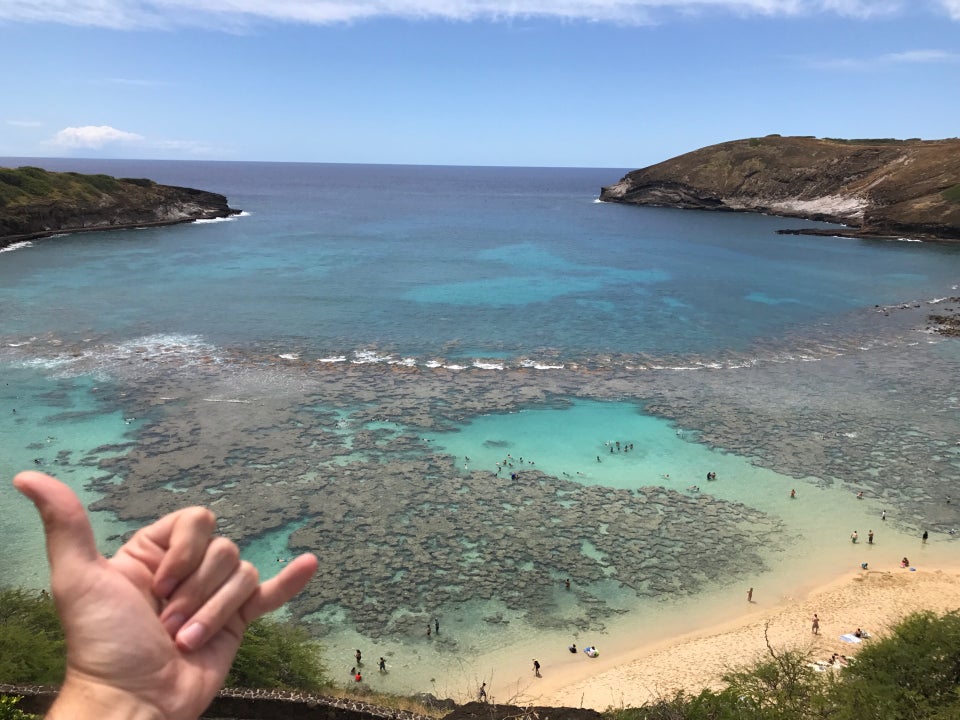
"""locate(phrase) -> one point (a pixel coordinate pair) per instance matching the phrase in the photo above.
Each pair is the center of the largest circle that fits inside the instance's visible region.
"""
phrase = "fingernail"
(174, 623)
(191, 636)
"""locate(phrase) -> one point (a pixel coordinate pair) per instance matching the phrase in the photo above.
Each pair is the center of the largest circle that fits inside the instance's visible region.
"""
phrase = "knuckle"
(203, 517)
(249, 572)
(225, 551)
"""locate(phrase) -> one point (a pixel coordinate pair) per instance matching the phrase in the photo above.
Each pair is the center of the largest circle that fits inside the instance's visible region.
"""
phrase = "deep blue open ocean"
(374, 352)
(449, 261)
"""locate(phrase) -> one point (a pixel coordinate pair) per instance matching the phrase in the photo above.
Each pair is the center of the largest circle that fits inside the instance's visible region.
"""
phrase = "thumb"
(70, 543)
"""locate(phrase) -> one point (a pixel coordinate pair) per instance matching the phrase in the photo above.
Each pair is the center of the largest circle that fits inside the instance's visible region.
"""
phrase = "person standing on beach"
(853, 536)
(383, 664)
(925, 536)
(870, 537)
(750, 595)
(816, 624)
(436, 625)
(483, 693)
(536, 668)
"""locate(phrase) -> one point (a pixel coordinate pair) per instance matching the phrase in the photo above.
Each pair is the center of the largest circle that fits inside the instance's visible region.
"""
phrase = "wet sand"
(872, 600)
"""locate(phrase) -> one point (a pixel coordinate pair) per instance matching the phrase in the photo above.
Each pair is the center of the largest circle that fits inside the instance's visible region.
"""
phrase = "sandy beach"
(872, 600)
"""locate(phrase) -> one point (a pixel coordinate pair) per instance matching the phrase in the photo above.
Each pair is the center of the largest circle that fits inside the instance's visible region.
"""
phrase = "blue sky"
(594, 83)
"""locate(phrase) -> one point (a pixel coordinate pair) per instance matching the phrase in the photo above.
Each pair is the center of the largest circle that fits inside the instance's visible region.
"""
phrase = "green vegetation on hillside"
(32, 649)
(10, 711)
(912, 674)
(27, 184)
(273, 654)
(277, 655)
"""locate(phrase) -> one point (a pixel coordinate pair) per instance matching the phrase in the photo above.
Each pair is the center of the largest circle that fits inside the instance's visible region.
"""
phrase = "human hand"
(151, 632)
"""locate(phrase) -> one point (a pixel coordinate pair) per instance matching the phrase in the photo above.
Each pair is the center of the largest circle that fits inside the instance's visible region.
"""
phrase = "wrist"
(83, 698)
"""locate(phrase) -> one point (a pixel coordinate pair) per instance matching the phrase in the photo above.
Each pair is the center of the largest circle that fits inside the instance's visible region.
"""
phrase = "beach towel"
(850, 638)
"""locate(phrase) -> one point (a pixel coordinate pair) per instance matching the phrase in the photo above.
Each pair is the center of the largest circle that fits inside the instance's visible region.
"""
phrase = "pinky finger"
(273, 593)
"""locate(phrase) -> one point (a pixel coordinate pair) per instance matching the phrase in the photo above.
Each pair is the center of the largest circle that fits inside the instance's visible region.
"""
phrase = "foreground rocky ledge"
(35, 203)
(879, 188)
(241, 704)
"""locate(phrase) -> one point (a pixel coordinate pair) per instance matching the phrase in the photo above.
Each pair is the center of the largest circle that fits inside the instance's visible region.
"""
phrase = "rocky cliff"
(35, 203)
(878, 188)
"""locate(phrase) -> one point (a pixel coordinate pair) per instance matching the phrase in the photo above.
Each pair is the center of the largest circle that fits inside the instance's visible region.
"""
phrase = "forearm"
(85, 699)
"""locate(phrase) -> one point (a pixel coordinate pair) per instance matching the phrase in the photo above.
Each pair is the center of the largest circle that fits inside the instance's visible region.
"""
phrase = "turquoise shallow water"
(580, 443)
(342, 368)
(60, 427)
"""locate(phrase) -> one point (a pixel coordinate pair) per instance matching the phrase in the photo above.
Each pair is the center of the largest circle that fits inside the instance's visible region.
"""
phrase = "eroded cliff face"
(878, 188)
(74, 206)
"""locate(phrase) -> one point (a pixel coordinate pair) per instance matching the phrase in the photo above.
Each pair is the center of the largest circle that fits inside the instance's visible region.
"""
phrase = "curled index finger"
(184, 537)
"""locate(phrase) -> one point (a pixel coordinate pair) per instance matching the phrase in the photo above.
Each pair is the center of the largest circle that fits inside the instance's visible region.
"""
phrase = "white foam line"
(16, 246)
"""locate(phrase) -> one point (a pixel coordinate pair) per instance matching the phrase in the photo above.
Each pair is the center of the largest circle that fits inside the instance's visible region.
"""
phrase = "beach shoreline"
(873, 599)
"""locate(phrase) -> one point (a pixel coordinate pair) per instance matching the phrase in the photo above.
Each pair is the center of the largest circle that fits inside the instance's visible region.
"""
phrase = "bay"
(357, 364)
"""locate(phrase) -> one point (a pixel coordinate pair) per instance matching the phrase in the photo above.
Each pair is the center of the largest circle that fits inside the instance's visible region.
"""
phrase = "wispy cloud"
(25, 123)
(908, 57)
(93, 136)
(193, 148)
(952, 7)
(99, 137)
(132, 82)
(236, 13)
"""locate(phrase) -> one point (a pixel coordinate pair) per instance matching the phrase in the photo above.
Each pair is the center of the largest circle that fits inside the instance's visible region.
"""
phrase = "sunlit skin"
(152, 631)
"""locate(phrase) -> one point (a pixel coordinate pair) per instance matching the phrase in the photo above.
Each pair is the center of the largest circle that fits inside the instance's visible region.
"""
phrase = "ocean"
(486, 401)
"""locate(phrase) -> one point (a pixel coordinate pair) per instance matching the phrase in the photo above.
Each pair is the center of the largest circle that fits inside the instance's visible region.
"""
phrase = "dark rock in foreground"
(880, 188)
(240, 704)
(489, 711)
(35, 203)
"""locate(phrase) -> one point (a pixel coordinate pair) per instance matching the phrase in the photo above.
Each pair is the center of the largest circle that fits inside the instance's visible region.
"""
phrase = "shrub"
(31, 640)
(9, 711)
(104, 183)
(277, 655)
(32, 649)
(914, 673)
(951, 194)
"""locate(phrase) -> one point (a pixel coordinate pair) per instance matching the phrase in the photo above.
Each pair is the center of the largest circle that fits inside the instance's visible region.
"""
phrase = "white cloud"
(952, 7)
(25, 123)
(921, 56)
(98, 137)
(236, 13)
(908, 57)
(93, 136)
(132, 82)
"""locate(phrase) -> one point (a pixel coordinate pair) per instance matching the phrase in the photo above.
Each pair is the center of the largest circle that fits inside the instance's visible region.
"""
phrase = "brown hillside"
(877, 187)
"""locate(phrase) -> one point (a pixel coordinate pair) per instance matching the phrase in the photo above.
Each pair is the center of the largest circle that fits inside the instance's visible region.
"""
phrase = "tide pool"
(568, 442)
